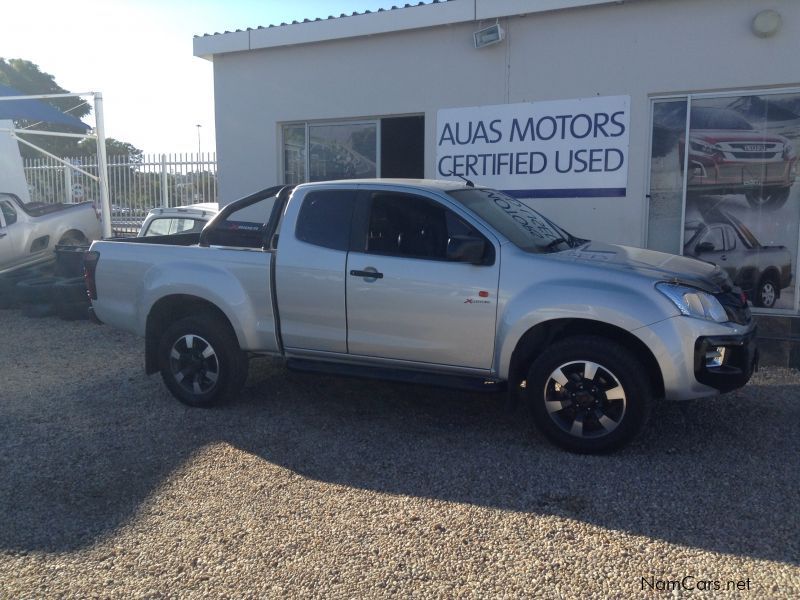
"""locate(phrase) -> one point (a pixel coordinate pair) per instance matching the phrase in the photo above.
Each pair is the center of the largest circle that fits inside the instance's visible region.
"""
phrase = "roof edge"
(419, 16)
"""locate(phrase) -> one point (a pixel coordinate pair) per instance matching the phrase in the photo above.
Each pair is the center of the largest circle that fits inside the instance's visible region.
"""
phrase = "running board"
(458, 382)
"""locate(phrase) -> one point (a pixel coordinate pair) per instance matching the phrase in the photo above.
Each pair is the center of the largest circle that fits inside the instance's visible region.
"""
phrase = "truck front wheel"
(588, 394)
(200, 360)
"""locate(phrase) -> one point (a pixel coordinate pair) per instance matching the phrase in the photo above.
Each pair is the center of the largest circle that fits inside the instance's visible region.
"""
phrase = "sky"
(138, 53)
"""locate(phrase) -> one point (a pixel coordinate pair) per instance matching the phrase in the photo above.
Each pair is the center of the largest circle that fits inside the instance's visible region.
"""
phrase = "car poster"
(738, 162)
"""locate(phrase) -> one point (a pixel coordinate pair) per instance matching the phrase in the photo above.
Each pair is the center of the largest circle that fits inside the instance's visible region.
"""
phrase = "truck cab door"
(410, 296)
(310, 271)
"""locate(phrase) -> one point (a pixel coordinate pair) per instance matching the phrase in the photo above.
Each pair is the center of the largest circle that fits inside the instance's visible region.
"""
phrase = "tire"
(204, 348)
(588, 394)
(767, 292)
(771, 198)
(71, 291)
(38, 311)
(9, 296)
(73, 311)
(38, 290)
(72, 303)
(8, 293)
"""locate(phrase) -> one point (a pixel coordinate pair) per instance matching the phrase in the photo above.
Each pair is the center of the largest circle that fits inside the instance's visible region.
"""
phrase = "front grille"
(756, 155)
(735, 306)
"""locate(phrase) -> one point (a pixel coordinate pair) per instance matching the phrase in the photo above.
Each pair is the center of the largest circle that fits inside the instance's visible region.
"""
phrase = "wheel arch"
(166, 311)
(73, 233)
(536, 340)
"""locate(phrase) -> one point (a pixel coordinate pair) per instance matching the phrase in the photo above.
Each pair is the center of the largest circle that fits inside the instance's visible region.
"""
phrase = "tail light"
(90, 260)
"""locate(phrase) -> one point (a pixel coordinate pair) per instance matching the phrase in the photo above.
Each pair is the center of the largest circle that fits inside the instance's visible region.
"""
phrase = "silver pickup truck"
(431, 282)
(29, 232)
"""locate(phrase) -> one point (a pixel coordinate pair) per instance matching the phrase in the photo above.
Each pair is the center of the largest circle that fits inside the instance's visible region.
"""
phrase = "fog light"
(716, 357)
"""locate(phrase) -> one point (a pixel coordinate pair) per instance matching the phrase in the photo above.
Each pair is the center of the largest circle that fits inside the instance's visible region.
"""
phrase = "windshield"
(522, 225)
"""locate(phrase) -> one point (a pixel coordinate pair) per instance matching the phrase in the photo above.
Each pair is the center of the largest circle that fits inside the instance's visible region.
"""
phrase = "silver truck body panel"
(422, 314)
(131, 278)
(31, 238)
(422, 310)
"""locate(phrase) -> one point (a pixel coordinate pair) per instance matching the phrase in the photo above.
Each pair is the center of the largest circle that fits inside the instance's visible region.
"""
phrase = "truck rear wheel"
(588, 394)
(200, 360)
(767, 292)
(771, 198)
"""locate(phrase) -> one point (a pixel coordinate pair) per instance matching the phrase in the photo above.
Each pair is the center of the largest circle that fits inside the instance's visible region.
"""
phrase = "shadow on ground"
(77, 461)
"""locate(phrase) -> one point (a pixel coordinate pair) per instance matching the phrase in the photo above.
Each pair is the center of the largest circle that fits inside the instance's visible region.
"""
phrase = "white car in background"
(178, 219)
(30, 231)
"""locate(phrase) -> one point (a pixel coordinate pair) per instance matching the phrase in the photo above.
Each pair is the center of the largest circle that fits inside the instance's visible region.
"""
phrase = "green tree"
(114, 148)
(26, 77)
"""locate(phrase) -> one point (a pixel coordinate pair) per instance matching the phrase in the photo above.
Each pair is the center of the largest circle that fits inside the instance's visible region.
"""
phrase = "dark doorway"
(403, 147)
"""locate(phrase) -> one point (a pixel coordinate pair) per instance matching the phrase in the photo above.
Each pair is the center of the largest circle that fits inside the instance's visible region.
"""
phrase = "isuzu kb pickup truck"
(430, 282)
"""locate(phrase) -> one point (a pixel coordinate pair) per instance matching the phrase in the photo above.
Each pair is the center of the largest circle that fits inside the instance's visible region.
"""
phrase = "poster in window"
(742, 199)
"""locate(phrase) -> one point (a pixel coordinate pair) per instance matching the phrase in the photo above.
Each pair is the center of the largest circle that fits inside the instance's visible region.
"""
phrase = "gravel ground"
(313, 486)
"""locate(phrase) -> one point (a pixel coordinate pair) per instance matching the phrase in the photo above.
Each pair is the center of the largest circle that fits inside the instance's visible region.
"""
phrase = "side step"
(458, 382)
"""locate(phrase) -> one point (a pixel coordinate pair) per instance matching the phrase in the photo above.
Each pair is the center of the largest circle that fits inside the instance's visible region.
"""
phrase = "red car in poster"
(728, 156)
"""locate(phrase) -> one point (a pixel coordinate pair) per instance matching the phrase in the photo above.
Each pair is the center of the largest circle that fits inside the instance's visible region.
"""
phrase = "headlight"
(699, 145)
(693, 303)
(788, 151)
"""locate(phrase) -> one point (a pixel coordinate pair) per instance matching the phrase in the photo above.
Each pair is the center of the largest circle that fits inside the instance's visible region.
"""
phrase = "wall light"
(767, 23)
(489, 35)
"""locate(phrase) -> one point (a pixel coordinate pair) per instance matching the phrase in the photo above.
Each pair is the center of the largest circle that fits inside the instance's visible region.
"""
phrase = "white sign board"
(553, 149)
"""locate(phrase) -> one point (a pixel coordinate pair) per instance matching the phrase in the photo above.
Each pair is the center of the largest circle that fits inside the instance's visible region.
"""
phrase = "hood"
(714, 136)
(652, 264)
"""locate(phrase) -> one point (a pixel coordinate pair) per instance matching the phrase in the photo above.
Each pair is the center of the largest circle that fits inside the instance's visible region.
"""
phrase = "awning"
(35, 110)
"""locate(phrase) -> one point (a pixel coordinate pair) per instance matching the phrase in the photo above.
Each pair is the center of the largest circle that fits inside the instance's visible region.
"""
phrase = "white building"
(679, 118)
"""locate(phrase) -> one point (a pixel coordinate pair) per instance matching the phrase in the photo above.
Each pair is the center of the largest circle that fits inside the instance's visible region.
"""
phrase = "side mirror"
(465, 248)
(704, 247)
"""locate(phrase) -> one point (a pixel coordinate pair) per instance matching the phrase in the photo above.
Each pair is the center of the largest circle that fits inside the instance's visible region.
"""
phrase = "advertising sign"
(553, 149)
(738, 163)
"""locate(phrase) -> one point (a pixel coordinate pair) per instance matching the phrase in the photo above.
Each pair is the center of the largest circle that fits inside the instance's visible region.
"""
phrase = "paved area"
(312, 486)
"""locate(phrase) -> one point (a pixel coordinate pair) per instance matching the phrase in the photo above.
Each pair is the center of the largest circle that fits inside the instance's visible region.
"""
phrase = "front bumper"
(740, 360)
(680, 344)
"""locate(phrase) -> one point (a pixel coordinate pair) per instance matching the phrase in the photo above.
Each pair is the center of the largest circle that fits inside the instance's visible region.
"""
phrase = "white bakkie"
(430, 282)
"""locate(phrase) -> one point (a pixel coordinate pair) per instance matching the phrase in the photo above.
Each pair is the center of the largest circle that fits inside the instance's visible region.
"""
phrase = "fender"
(221, 288)
(610, 302)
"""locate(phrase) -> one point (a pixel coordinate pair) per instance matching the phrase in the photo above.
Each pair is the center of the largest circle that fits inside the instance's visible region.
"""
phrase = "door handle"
(724, 257)
(366, 274)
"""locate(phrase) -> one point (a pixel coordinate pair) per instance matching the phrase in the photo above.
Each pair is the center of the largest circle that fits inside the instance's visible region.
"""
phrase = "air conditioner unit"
(489, 35)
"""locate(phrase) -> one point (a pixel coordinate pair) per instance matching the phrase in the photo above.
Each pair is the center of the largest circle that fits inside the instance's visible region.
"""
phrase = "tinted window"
(325, 218)
(403, 225)
(244, 228)
(9, 213)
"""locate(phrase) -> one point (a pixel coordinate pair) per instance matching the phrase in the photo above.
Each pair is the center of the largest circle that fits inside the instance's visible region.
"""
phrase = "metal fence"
(136, 185)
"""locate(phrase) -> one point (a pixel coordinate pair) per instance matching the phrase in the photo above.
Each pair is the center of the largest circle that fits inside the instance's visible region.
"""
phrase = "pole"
(198, 140)
(102, 165)
(67, 185)
(164, 182)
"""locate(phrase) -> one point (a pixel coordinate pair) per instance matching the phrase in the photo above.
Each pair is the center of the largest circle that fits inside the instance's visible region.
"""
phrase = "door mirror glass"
(704, 247)
(466, 248)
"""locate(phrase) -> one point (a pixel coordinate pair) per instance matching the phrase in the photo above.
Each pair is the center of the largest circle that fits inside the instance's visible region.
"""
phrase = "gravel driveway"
(316, 486)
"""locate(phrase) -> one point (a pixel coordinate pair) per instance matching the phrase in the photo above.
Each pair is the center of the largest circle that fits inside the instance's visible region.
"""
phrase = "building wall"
(640, 48)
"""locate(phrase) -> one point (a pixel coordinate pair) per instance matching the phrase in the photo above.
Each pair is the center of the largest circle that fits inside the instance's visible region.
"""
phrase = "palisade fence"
(136, 184)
